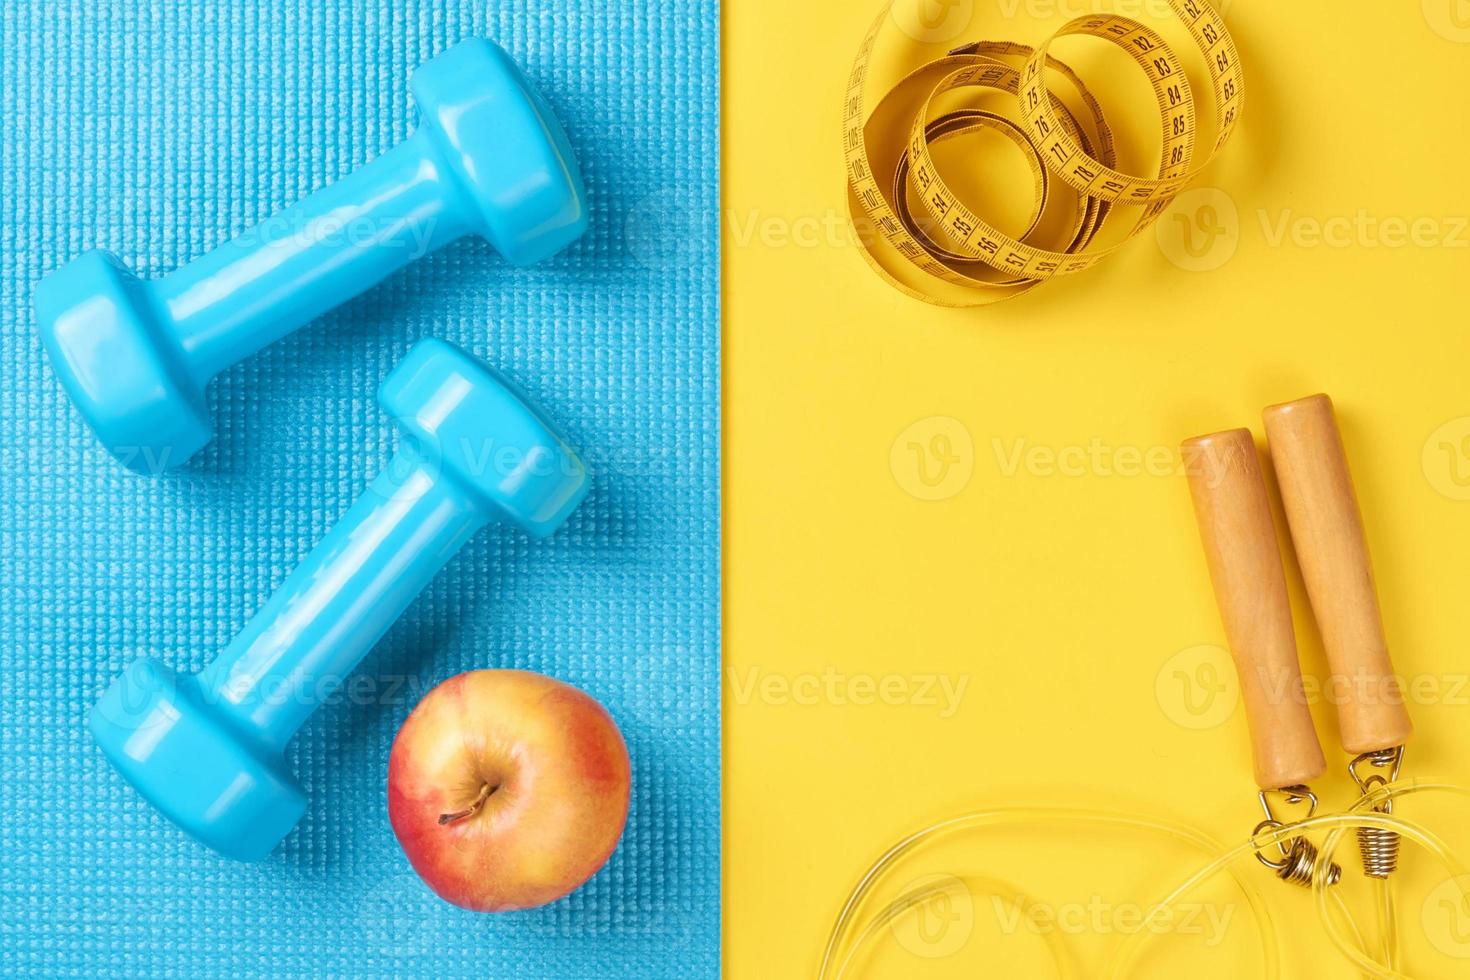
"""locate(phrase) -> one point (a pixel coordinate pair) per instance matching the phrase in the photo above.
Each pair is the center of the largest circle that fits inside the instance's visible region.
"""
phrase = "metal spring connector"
(1300, 858)
(1379, 847)
(1301, 864)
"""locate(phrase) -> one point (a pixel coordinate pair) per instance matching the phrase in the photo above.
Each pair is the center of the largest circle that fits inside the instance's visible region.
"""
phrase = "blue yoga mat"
(156, 130)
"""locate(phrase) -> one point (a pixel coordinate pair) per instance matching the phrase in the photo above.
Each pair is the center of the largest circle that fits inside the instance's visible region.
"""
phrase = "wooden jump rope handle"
(1245, 566)
(1327, 531)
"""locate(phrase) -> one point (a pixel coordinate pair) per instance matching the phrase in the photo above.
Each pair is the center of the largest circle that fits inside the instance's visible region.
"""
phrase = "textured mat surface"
(158, 130)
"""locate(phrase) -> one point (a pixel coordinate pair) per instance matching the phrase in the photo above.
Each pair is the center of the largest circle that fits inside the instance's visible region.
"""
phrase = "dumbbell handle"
(1240, 544)
(332, 609)
(1327, 530)
(309, 258)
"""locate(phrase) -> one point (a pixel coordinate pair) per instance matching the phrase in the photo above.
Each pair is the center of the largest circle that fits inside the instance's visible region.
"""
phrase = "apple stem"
(472, 809)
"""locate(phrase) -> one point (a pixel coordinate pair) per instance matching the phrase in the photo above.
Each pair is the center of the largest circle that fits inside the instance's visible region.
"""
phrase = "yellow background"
(1063, 592)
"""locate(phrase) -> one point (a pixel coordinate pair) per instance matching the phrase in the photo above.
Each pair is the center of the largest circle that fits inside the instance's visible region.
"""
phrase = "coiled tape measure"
(957, 246)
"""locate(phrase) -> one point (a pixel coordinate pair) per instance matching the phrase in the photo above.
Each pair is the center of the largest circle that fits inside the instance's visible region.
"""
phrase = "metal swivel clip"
(1379, 847)
(1300, 858)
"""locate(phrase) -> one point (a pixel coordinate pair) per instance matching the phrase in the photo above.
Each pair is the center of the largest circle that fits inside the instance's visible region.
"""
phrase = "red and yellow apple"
(507, 789)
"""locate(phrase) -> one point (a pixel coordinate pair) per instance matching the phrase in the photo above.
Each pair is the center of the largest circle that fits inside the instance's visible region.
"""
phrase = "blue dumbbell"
(489, 158)
(208, 749)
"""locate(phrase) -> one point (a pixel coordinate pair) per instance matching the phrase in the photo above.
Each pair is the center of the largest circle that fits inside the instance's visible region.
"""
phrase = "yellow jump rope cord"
(890, 170)
(852, 931)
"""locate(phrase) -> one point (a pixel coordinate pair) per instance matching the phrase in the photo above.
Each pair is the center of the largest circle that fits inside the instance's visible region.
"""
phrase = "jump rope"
(1240, 544)
(921, 238)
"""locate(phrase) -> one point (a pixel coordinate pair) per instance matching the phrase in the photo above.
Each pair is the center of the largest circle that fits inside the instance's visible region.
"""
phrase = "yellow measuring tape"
(945, 240)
